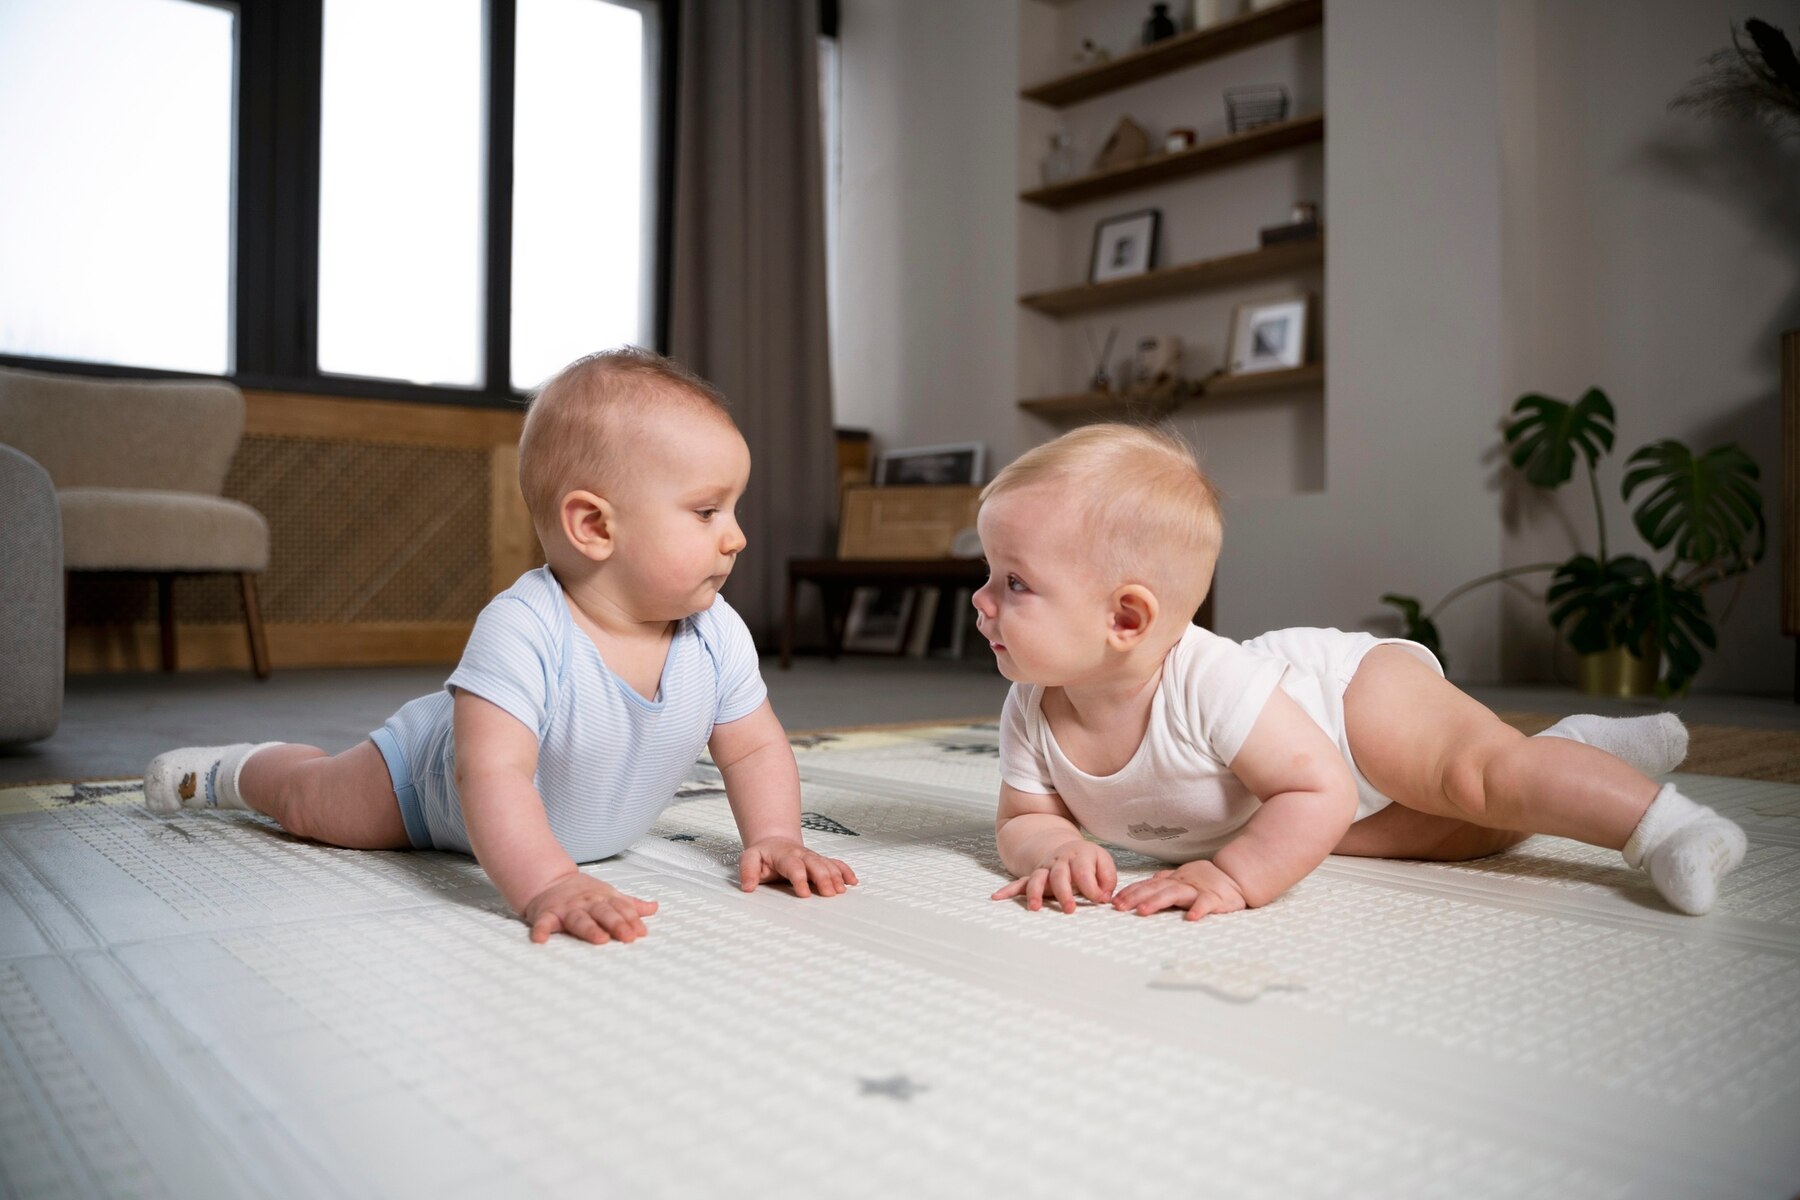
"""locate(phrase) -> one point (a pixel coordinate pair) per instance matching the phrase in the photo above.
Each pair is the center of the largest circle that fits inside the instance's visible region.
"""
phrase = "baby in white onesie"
(1246, 764)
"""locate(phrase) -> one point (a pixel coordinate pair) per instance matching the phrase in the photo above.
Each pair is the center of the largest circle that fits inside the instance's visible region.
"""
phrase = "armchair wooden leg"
(259, 647)
(165, 617)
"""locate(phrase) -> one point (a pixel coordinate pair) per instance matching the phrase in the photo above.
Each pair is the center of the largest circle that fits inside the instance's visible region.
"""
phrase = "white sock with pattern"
(1654, 744)
(1687, 848)
(198, 777)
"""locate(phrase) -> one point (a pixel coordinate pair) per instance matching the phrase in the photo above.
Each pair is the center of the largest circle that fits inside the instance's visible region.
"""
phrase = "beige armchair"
(139, 466)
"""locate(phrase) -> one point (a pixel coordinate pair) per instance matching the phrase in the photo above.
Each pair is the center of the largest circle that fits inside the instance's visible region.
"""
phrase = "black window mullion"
(255, 171)
(278, 188)
(663, 264)
(502, 24)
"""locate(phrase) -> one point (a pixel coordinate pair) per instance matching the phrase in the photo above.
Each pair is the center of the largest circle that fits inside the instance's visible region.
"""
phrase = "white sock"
(1654, 745)
(198, 777)
(1687, 848)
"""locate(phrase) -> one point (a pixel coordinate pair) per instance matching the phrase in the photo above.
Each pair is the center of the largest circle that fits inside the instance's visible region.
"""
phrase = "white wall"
(1659, 258)
(927, 223)
(1511, 208)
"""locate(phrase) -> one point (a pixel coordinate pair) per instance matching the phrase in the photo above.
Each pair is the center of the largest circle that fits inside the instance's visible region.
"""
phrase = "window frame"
(275, 208)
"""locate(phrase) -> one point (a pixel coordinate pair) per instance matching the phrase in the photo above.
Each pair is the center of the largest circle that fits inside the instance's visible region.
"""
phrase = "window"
(581, 173)
(401, 191)
(115, 200)
(417, 199)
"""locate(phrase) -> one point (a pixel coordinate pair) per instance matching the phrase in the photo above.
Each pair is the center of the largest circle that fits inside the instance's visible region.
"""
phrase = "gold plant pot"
(1619, 671)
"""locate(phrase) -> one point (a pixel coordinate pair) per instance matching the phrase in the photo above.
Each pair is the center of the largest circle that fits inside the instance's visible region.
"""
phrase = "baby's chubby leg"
(1433, 749)
(342, 800)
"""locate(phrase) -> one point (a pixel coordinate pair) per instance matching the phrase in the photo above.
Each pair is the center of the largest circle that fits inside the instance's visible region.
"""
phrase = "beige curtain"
(747, 301)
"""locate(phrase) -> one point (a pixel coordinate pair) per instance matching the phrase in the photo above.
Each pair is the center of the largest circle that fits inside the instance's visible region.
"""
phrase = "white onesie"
(1177, 799)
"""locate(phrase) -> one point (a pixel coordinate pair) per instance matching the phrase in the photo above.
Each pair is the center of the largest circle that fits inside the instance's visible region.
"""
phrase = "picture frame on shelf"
(1125, 245)
(879, 619)
(958, 462)
(1268, 335)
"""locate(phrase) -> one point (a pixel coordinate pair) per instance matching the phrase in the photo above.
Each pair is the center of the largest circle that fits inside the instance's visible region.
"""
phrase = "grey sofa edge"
(31, 600)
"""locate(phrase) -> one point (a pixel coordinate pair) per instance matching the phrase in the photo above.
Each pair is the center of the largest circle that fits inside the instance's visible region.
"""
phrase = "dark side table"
(838, 578)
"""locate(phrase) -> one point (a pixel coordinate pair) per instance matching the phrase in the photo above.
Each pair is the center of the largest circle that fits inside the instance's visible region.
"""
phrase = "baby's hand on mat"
(1077, 866)
(587, 908)
(805, 870)
(1199, 887)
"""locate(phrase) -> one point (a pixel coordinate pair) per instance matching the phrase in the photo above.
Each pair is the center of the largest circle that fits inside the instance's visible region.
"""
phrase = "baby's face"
(1044, 609)
(676, 528)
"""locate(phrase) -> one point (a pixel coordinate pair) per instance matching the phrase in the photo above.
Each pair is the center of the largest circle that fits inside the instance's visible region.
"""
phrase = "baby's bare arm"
(762, 785)
(496, 758)
(1043, 848)
(1308, 801)
(1029, 826)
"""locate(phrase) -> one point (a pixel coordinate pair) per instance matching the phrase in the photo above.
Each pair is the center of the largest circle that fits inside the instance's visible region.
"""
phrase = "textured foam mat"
(200, 1005)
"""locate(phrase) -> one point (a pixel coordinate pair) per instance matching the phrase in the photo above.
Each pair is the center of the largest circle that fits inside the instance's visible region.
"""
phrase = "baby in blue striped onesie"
(587, 689)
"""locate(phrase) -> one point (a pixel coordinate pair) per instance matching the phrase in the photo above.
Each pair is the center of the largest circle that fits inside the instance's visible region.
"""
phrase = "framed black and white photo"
(958, 463)
(878, 619)
(1124, 245)
(1268, 336)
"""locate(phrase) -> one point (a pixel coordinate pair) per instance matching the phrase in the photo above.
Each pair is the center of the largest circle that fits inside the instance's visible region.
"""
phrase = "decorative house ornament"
(1125, 145)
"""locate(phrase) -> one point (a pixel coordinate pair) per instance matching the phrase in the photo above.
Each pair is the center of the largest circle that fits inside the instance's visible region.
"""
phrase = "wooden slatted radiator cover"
(390, 525)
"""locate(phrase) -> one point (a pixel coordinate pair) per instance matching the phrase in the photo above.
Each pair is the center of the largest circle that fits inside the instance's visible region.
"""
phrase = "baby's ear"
(1133, 612)
(587, 523)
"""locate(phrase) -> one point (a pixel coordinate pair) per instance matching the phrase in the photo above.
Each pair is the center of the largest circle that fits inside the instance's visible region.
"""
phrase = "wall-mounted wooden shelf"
(1098, 405)
(1175, 281)
(1265, 381)
(1205, 157)
(1182, 50)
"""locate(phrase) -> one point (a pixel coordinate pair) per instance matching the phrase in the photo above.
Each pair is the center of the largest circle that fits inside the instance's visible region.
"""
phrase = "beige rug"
(1729, 750)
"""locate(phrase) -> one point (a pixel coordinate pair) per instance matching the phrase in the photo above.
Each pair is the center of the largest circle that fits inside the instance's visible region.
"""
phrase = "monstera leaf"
(1595, 602)
(1418, 627)
(1707, 507)
(1547, 433)
(1677, 613)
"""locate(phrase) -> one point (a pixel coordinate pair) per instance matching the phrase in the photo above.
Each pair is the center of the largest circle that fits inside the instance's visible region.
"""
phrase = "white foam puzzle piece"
(201, 1005)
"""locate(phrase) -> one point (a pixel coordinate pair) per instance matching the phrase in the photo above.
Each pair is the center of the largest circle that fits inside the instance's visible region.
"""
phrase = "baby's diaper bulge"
(1321, 663)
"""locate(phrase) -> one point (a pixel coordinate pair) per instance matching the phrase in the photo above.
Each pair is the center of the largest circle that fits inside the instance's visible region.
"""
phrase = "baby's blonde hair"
(579, 428)
(1151, 513)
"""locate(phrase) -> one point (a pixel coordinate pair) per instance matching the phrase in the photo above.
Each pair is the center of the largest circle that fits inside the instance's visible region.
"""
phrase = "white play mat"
(201, 1006)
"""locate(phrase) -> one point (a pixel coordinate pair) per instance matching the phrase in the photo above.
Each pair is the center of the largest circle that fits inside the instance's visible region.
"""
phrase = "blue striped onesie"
(608, 759)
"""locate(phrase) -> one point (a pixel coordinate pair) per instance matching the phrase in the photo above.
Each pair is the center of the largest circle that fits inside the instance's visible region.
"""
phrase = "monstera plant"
(1704, 511)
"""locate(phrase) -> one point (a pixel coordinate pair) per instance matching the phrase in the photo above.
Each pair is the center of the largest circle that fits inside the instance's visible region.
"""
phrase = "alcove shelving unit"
(1081, 403)
(1176, 281)
(1182, 50)
(1174, 54)
(1159, 168)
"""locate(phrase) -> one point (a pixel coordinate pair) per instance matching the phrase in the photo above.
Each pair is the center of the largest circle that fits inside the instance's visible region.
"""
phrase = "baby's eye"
(707, 514)
(1015, 584)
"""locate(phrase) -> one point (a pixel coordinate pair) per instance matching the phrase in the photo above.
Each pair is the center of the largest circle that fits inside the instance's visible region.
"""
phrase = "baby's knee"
(1477, 768)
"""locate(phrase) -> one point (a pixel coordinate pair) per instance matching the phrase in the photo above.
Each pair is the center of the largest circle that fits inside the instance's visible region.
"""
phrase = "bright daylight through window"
(580, 235)
(400, 191)
(115, 194)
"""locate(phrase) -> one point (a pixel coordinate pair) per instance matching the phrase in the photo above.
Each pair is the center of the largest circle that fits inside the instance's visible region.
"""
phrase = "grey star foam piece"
(897, 1087)
(1238, 982)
